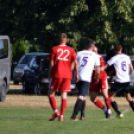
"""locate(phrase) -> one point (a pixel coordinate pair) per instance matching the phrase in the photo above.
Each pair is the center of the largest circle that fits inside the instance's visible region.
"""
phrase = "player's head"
(95, 49)
(62, 38)
(117, 48)
(90, 44)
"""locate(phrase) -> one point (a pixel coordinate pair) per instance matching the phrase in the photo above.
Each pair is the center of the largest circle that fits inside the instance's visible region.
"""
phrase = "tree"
(33, 48)
(18, 50)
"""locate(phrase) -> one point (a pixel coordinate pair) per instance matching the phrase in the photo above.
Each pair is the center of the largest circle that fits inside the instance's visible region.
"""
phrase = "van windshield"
(26, 59)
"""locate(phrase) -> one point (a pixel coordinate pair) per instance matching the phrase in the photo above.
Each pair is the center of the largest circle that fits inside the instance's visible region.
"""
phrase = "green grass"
(35, 121)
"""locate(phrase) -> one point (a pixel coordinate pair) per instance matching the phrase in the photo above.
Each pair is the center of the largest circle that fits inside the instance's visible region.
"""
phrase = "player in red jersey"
(101, 86)
(62, 57)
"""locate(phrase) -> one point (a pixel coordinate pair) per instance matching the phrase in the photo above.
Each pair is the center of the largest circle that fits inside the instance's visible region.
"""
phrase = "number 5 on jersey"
(66, 52)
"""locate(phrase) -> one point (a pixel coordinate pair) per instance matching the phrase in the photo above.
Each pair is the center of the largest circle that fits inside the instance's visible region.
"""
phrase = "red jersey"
(102, 62)
(63, 56)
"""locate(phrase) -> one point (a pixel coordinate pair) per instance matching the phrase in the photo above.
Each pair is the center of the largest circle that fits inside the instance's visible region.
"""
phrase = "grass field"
(35, 121)
(22, 114)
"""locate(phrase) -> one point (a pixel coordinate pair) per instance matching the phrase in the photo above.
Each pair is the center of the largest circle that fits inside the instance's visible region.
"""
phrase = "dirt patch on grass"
(42, 101)
(16, 98)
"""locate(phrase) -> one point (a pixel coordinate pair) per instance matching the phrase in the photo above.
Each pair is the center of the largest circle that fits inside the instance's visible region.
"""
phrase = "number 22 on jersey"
(63, 52)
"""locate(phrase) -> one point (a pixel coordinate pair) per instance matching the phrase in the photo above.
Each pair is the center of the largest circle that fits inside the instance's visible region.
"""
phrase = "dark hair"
(62, 37)
(117, 47)
(90, 43)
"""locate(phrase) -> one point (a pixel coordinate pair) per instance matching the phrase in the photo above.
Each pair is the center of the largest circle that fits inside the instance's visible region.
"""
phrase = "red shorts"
(60, 84)
(102, 84)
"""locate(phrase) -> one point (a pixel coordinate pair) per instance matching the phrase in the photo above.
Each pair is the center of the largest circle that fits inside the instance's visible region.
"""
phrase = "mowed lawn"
(23, 114)
(35, 121)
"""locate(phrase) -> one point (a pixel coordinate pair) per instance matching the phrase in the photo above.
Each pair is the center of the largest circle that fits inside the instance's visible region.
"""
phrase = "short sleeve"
(129, 60)
(97, 61)
(74, 57)
(111, 61)
(51, 55)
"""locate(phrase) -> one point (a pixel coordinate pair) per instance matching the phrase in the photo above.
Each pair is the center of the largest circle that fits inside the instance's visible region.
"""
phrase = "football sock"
(63, 106)
(115, 107)
(98, 103)
(83, 108)
(108, 104)
(77, 108)
(53, 104)
(131, 105)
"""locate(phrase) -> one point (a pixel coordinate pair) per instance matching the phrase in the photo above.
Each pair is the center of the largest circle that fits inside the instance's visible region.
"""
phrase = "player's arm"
(130, 68)
(97, 73)
(104, 67)
(51, 58)
(97, 68)
(76, 70)
(74, 66)
(109, 63)
(50, 68)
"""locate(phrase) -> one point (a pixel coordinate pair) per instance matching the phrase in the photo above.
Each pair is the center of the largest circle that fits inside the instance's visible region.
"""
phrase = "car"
(132, 77)
(36, 75)
(19, 69)
(5, 66)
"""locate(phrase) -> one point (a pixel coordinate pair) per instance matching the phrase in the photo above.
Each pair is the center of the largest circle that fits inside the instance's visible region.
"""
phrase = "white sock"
(55, 111)
(109, 111)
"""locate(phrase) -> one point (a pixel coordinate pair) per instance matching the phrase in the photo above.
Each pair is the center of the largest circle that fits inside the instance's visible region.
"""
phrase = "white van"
(5, 66)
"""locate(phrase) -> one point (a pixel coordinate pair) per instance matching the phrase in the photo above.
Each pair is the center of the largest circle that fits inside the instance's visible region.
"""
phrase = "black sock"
(131, 105)
(115, 107)
(77, 108)
(83, 108)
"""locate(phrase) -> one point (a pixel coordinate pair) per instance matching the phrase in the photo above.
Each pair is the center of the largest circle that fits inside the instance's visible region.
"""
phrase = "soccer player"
(101, 86)
(62, 58)
(123, 68)
(87, 60)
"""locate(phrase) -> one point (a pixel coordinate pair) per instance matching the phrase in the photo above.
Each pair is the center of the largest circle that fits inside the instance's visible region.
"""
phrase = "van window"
(3, 48)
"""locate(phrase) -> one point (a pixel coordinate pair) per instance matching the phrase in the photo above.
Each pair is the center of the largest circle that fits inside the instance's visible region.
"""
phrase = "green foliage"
(18, 50)
(33, 48)
(105, 21)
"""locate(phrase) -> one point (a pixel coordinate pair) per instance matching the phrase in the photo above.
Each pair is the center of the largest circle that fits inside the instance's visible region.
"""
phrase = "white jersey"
(87, 60)
(121, 63)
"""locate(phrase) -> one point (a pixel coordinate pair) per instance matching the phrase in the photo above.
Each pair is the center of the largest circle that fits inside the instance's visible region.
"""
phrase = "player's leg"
(130, 100)
(97, 101)
(83, 108)
(107, 102)
(104, 90)
(80, 103)
(114, 104)
(77, 107)
(112, 92)
(63, 104)
(52, 100)
(64, 89)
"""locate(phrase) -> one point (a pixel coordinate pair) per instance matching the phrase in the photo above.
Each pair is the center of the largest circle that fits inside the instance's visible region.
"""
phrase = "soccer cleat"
(109, 116)
(76, 119)
(120, 116)
(106, 114)
(54, 116)
(82, 118)
(60, 118)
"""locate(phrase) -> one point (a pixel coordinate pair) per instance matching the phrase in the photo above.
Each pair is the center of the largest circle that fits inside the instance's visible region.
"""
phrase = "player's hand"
(76, 78)
(96, 80)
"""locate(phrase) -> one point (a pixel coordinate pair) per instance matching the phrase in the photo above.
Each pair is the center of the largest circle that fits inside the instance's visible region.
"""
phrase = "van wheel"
(37, 89)
(3, 92)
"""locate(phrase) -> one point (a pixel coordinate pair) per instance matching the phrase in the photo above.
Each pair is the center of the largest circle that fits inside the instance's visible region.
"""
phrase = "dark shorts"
(117, 87)
(83, 88)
